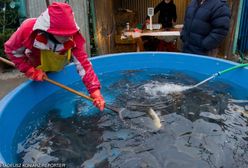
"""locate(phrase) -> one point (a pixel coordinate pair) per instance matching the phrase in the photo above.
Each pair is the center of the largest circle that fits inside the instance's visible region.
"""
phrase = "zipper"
(202, 2)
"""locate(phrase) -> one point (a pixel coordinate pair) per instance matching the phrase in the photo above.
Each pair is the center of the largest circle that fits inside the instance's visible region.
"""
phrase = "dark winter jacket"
(205, 26)
(167, 13)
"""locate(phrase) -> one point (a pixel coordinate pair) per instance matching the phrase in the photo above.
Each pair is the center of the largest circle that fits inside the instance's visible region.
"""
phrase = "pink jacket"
(58, 19)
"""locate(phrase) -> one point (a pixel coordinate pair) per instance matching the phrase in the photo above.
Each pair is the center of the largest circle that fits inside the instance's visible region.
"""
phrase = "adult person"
(206, 24)
(47, 43)
(167, 13)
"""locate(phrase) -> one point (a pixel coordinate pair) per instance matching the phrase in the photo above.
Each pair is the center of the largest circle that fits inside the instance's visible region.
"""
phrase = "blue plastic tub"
(28, 94)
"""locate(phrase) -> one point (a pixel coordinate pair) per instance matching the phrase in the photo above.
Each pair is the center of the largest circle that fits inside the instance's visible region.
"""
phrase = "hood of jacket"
(58, 19)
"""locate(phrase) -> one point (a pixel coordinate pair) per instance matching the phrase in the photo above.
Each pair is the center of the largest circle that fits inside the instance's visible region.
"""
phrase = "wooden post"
(140, 45)
(47, 3)
(234, 6)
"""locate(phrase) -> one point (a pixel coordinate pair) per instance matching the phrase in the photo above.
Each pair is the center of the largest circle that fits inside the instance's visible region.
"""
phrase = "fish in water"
(153, 115)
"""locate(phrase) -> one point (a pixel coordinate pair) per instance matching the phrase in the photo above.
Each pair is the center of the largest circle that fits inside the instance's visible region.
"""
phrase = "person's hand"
(98, 100)
(35, 74)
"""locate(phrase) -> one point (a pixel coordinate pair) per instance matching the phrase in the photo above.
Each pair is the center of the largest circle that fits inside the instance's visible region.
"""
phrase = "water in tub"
(201, 127)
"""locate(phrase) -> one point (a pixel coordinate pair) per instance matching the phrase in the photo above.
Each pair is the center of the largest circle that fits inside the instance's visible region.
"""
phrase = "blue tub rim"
(130, 58)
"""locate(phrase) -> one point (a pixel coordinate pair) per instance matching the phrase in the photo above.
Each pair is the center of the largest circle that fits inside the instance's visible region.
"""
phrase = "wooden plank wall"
(80, 9)
(105, 25)
(35, 8)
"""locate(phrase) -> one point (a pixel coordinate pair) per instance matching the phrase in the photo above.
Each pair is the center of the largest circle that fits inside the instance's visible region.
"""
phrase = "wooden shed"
(100, 21)
(108, 19)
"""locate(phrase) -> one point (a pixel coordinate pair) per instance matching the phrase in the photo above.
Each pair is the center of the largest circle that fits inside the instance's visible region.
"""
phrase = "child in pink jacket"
(46, 44)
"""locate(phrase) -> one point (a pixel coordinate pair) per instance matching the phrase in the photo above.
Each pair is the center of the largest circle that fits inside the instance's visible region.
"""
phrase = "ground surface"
(9, 81)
